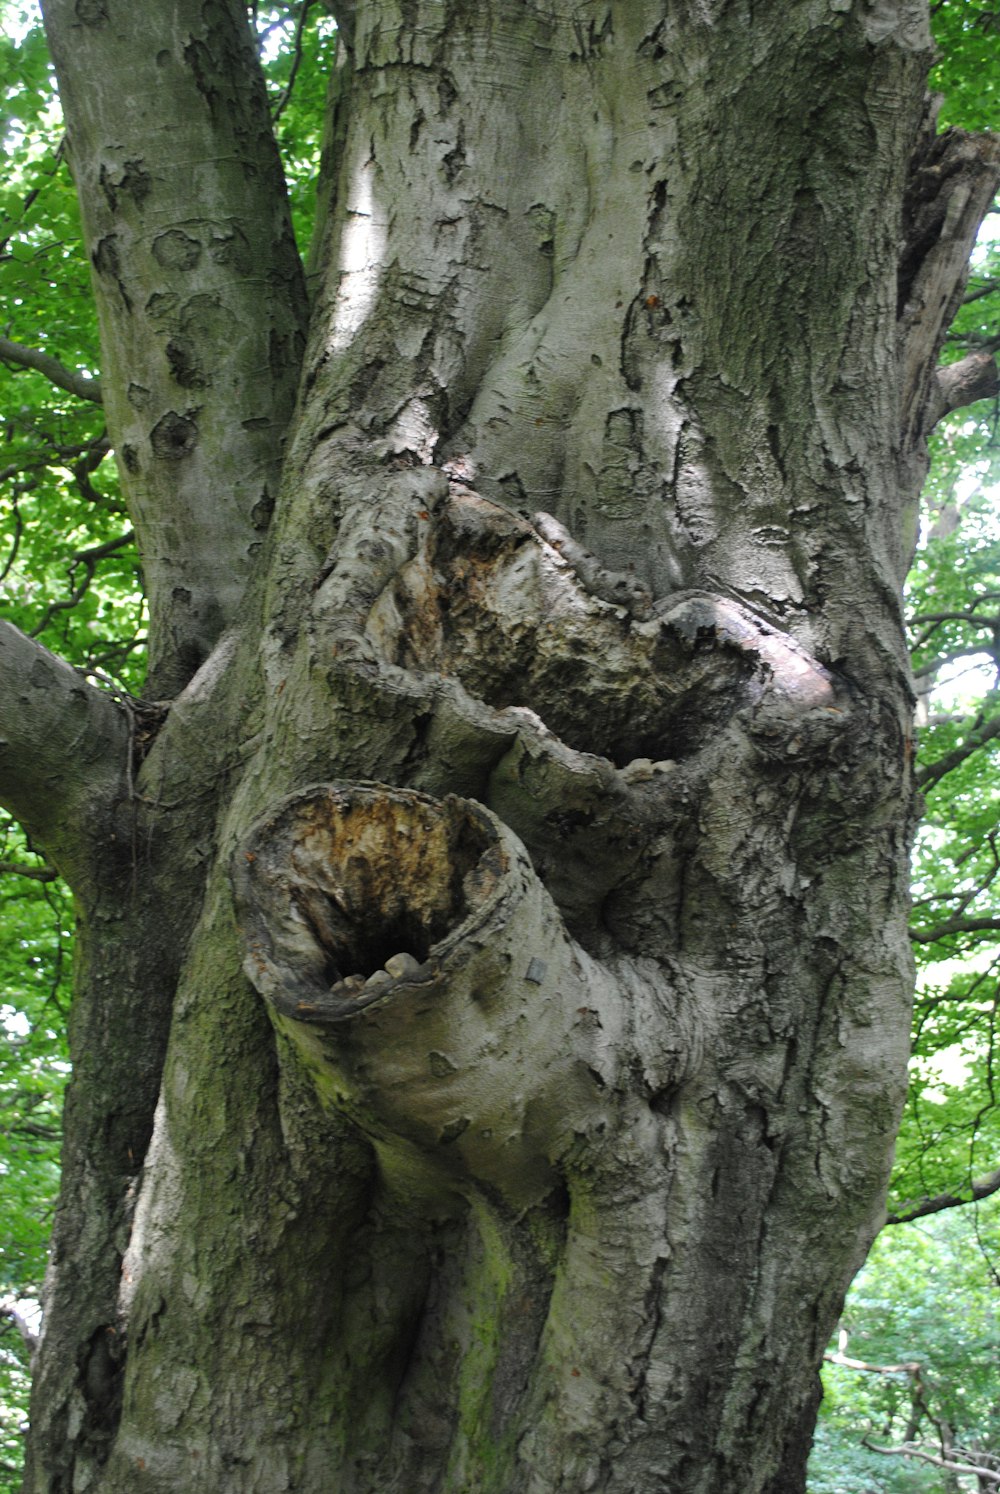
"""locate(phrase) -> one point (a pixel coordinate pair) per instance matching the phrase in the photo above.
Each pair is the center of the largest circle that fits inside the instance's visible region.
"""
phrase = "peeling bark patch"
(622, 496)
(173, 437)
(176, 250)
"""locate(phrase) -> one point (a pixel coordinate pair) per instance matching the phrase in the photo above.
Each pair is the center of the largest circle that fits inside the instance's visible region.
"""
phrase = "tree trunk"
(492, 1012)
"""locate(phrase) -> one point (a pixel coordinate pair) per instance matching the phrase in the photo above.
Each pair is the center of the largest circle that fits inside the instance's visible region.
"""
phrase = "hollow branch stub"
(407, 947)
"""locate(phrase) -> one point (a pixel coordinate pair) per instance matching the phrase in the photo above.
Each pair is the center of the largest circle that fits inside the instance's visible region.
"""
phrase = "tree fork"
(580, 606)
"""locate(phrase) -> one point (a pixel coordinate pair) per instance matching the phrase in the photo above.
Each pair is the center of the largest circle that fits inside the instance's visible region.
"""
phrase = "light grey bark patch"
(176, 250)
(174, 437)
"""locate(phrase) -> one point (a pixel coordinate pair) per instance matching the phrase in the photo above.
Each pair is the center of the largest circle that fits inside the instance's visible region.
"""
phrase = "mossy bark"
(530, 848)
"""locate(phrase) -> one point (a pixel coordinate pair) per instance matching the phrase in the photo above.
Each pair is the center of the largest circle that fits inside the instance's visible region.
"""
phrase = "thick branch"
(56, 373)
(411, 951)
(990, 1475)
(64, 748)
(954, 926)
(980, 1188)
(977, 738)
(200, 293)
(959, 384)
(953, 180)
(34, 873)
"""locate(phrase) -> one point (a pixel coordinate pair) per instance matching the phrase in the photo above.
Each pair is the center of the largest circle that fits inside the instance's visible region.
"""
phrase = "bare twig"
(989, 1475)
(35, 873)
(89, 559)
(282, 103)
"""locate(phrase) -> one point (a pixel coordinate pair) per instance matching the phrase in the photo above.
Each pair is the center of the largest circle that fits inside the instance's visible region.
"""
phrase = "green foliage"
(967, 33)
(927, 1300)
(298, 46)
(36, 917)
(951, 1132)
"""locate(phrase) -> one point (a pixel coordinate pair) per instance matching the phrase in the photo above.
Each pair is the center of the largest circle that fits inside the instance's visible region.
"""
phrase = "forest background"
(912, 1390)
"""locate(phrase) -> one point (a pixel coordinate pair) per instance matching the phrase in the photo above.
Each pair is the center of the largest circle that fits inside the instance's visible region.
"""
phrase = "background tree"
(721, 430)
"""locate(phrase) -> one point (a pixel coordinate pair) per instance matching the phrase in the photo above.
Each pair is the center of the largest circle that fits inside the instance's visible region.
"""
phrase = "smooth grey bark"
(199, 289)
(523, 872)
(64, 749)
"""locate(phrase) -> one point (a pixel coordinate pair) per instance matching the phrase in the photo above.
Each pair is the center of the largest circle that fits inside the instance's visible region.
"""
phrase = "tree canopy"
(69, 576)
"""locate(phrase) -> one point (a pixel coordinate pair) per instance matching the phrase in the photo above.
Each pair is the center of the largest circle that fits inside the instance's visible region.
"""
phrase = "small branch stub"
(409, 950)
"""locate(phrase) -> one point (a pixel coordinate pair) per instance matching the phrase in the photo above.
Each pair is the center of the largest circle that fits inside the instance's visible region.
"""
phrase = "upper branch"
(52, 369)
(983, 1187)
(64, 749)
(959, 384)
(200, 292)
(953, 178)
(980, 734)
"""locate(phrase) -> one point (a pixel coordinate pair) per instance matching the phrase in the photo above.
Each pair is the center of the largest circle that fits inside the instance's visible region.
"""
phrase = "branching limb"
(88, 560)
(950, 926)
(985, 1475)
(959, 384)
(51, 369)
(953, 179)
(978, 737)
(982, 1187)
(64, 748)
